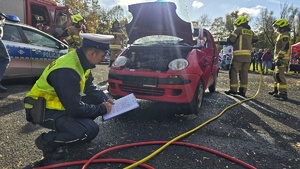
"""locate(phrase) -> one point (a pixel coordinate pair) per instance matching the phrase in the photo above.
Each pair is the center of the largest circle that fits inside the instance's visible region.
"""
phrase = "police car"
(30, 49)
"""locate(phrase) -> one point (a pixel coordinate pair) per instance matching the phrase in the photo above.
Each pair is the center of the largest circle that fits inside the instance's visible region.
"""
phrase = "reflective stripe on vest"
(115, 47)
(43, 89)
(241, 52)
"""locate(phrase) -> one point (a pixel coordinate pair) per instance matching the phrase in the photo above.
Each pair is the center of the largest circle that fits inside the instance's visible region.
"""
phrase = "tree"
(218, 29)
(266, 32)
(204, 20)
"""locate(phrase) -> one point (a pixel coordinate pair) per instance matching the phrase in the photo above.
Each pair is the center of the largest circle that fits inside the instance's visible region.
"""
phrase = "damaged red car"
(167, 60)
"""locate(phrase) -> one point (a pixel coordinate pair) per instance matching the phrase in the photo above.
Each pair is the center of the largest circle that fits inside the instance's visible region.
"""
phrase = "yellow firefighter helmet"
(280, 23)
(240, 20)
(76, 18)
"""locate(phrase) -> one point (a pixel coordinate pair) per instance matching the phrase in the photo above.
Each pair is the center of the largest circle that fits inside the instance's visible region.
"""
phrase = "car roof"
(157, 18)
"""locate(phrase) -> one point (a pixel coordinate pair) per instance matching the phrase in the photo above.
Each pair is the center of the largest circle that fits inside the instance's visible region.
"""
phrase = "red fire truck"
(55, 18)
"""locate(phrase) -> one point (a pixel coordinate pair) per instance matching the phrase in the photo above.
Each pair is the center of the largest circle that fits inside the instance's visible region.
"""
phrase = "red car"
(164, 61)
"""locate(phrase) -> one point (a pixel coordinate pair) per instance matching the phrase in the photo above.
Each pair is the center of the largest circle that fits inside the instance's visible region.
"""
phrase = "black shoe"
(229, 92)
(273, 92)
(242, 94)
(49, 152)
(2, 89)
(280, 96)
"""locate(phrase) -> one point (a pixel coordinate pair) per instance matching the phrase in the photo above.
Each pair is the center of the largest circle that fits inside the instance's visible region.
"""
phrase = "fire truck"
(55, 18)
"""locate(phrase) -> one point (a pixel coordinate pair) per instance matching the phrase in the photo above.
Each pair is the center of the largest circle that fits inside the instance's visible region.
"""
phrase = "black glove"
(279, 62)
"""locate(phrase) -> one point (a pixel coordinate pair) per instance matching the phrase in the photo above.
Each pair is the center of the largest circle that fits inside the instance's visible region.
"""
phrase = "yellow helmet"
(240, 20)
(76, 18)
(281, 23)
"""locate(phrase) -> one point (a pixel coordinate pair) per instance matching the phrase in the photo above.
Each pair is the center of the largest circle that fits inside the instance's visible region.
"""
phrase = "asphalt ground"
(262, 132)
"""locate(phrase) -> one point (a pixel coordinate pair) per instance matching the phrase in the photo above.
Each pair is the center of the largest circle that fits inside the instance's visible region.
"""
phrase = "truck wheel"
(196, 103)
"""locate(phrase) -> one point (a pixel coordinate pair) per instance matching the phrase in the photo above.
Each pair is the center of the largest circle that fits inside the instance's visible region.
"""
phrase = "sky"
(216, 8)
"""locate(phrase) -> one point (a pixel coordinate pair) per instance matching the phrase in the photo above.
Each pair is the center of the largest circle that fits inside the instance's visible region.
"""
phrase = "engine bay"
(153, 58)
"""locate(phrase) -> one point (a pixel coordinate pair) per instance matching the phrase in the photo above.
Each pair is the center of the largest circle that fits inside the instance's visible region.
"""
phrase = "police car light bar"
(12, 18)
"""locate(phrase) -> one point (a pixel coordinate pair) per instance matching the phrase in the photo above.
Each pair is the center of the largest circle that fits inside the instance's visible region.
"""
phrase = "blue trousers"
(4, 59)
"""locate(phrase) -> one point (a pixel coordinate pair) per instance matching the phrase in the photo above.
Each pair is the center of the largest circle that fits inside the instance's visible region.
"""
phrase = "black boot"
(281, 95)
(275, 91)
(229, 92)
(2, 89)
(242, 92)
(49, 152)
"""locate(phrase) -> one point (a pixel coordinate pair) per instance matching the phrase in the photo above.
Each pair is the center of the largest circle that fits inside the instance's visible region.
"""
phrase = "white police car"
(30, 49)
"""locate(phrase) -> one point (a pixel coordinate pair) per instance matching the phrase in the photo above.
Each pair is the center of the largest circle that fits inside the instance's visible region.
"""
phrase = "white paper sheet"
(122, 105)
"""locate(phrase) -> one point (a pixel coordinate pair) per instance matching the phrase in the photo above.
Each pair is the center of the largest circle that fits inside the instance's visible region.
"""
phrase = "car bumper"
(166, 88)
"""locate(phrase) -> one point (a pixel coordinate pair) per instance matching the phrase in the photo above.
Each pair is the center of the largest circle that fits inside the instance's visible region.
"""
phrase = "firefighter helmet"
(281, 23)
(76, 18)
(240, 20)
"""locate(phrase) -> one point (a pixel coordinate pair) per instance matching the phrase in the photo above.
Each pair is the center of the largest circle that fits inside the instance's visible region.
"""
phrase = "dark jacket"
(267, 56)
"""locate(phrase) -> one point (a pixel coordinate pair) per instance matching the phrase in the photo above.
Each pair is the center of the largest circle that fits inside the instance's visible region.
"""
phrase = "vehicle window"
(161, 39)
(11, 33)
(52, 14)
(39, 39)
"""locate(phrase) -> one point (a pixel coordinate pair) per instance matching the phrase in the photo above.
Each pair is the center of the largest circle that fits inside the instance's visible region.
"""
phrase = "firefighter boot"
(281, 95)
(229, 92)
(241, 92)
(275, 91)
(49, 152)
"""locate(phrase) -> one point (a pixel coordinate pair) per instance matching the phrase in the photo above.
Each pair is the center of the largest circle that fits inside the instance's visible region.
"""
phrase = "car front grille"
(145, 91)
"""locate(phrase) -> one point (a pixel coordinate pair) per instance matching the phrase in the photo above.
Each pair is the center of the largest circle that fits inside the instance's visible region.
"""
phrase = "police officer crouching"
(56, 100)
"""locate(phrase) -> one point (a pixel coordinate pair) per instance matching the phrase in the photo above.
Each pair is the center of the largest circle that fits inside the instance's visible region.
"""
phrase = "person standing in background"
(267, 58)
(71, 33)
(281, 58)
(253, 59)
(4, 56)
(116, 43)
(258, 60)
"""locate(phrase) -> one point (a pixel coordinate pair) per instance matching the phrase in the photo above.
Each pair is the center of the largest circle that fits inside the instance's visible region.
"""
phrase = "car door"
(44, 49)
(19, 51)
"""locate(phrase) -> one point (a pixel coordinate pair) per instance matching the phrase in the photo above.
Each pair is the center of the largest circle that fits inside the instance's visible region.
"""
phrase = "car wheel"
(212, 87)
(196, 103)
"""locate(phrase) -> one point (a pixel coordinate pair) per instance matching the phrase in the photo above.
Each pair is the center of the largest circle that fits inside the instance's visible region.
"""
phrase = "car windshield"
(157, 39)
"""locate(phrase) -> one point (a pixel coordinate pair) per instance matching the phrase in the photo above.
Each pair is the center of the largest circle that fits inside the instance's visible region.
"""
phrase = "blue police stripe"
(26, 53)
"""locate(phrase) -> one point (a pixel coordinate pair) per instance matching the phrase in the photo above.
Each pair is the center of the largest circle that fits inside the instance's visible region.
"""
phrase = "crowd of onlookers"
(260, 60)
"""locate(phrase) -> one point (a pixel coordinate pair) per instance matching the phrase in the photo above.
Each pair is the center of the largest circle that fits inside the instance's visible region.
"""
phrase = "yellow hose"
(193, 130)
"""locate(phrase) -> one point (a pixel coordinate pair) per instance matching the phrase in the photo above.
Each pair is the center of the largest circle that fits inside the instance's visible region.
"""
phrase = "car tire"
(196, 103)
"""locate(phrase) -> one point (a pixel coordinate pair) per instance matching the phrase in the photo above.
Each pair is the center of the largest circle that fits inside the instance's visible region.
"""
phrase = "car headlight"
(120, 61)
(178, 64)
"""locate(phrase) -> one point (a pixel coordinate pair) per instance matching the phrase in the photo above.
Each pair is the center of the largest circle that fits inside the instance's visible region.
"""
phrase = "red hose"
(105, 160)
(94, 160)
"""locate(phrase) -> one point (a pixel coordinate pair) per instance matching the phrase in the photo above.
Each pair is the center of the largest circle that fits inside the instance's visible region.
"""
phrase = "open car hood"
(157, 18)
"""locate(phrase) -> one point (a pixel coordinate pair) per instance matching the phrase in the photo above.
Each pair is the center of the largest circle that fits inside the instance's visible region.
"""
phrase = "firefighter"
(71, 34)
(281, 58)
(116, 43)
(65, 100)
(241, 39)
